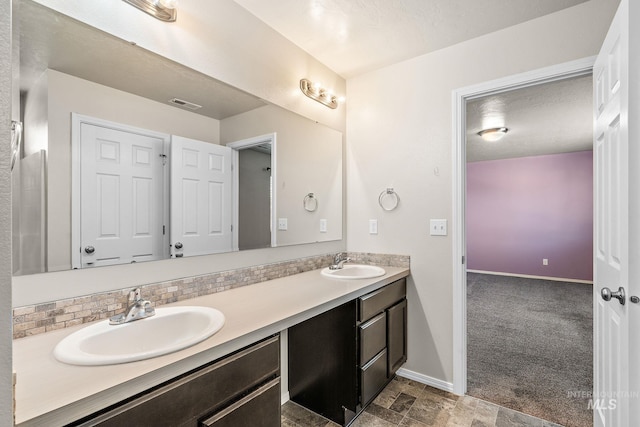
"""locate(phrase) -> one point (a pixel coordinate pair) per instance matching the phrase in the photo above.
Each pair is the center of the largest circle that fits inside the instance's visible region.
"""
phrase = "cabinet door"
(258, 409)
(323, 363)
(396, 337)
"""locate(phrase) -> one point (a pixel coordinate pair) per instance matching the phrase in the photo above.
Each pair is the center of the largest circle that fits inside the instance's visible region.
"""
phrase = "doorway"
(254, 193)
(529, 229)
(460, 98)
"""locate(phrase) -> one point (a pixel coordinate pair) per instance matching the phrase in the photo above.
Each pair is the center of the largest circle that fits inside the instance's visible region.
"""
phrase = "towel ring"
(391, 195)
(310, 203)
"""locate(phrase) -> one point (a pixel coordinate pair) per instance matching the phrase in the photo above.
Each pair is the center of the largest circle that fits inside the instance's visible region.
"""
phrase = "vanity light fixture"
(320, 94)
(493, 134)
(164, 10)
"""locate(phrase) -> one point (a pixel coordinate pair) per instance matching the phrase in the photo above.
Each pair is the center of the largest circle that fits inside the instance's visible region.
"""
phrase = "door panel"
(121, 196)
(216, 215)
(201, 205)
(611, 160)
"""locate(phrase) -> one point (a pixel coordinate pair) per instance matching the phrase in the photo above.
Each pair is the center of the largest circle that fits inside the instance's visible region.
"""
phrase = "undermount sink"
(170, 329)
(354, 271)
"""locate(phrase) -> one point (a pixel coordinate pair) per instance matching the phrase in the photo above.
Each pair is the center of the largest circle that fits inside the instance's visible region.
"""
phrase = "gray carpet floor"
(530, 346)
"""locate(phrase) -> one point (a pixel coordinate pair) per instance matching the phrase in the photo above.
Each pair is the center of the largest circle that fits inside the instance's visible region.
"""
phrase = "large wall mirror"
(80, 87)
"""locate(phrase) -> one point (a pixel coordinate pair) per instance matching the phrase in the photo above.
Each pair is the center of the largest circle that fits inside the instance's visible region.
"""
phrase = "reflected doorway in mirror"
(254, 193)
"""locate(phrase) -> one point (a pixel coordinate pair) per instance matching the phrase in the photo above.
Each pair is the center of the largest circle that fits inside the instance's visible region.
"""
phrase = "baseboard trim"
(527, 276)
(425, 379)
(405, 373)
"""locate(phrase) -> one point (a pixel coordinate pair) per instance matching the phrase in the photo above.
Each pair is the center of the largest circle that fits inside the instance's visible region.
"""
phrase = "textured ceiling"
(545, 119)
(355, 36)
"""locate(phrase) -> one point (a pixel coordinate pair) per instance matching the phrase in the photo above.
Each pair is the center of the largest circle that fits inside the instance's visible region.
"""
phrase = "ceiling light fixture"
(493, 134)
(316, 92)
(164, 10)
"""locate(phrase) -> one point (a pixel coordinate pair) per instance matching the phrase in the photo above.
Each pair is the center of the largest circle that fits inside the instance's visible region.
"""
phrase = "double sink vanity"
(215, 360)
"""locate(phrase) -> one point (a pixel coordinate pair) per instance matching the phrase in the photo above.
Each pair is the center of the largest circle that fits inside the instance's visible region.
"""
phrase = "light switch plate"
(438, 227)
(323, 225)
(282, 224)
(373, 226)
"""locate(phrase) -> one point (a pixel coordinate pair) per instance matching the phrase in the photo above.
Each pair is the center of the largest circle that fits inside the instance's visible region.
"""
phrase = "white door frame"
(459, 97)
(241, 145)
(76, 122)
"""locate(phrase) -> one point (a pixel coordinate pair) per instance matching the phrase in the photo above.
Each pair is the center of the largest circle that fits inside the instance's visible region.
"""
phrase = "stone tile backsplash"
(379, 259)
(45, 317)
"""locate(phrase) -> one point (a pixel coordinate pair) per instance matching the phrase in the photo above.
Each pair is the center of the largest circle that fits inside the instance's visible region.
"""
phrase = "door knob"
(619, 294)
(178, 245)
(89, 249)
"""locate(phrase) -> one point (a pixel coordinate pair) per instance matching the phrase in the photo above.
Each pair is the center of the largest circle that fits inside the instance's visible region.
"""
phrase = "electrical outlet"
(373, 226)
(323, 225)
(282, 224)
(438, 227)
(545, 261)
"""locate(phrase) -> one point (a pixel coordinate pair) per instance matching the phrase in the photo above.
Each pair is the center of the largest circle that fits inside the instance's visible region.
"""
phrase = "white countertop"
(51, 393)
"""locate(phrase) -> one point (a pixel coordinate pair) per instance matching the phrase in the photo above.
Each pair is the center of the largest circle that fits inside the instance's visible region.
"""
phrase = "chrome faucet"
(339, 260)
(139, 309)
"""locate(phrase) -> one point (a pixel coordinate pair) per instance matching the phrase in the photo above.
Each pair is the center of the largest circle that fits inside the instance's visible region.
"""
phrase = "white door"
(201, 202)
(613, 240)
(121, 196)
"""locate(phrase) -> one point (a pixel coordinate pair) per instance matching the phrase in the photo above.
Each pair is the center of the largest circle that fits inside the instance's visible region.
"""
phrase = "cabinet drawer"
(375, 302)
(200, 392)
(258, 409)
(373, 377)
(373, 337)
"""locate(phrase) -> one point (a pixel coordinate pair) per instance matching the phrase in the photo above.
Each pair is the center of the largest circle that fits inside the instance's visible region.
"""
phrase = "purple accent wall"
(522, 210)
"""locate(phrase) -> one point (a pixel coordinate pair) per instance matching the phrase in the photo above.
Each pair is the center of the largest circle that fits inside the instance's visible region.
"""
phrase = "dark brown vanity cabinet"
(382, 336)
(242, 389)
(341, 359)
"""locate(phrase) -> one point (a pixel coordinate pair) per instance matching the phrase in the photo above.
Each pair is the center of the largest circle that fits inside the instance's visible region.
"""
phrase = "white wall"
(7, 98)
(308, 160)
(400, 135)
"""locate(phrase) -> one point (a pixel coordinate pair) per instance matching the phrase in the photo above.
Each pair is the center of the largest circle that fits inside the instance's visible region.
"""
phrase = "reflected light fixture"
(164, 10)
(493, 134)
(320, 94)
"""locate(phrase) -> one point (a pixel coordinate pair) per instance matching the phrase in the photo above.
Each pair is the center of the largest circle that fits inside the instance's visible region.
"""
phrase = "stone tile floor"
(406, 403)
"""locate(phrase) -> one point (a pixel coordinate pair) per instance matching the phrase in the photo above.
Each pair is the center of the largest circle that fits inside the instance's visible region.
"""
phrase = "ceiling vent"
(185, 104)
